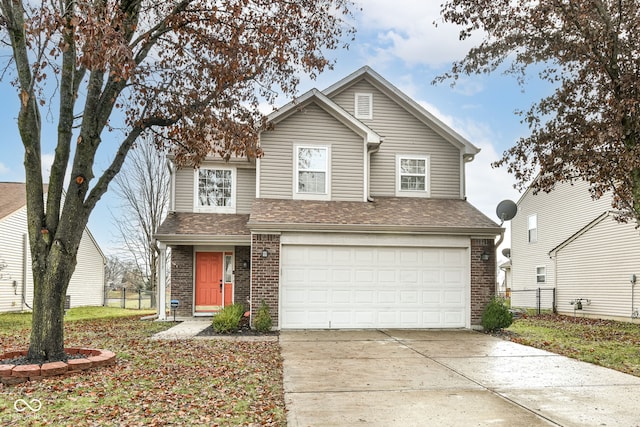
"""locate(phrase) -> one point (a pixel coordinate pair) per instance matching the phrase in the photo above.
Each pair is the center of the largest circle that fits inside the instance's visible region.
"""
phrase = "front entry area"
(213, 281)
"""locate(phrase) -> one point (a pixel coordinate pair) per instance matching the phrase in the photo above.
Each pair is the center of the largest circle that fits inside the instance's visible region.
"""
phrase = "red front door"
(208, 281)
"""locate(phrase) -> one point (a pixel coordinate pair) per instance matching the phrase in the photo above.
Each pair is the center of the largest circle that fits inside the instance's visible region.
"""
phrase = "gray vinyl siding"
(404, 134)
(245, 187)
(312, 126)
(86, 286)
(597, 266)
(12, 238)
(245, 190)
(561, 213)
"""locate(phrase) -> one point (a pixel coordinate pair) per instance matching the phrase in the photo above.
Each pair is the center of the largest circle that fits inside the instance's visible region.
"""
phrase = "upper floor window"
(541, 274)
(215, 190)
(364, 106)
(312, 172)
(532, 228)
(412, 175)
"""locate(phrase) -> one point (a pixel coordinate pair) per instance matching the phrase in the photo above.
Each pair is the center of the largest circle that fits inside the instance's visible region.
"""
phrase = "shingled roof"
(204, 227)
(13, 196)
(384, 214)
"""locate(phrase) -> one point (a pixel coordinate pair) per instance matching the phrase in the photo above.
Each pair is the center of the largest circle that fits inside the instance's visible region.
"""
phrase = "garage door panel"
(373, 287)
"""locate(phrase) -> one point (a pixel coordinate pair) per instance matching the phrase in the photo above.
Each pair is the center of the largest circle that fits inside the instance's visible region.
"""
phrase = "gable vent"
(364, 106)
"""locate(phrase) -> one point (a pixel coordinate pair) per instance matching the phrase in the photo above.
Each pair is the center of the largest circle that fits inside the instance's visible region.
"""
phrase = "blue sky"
(399, 40)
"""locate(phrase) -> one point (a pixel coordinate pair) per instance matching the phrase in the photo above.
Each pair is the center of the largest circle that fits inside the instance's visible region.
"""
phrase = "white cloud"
(407, 30)
(47, 162)
(3, 169)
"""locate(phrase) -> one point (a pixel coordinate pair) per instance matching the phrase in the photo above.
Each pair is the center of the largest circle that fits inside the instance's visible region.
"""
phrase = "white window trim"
(529, 240)
(327, 185)
(369, 115)
(215, 209)
(544, 274)
(427, 182)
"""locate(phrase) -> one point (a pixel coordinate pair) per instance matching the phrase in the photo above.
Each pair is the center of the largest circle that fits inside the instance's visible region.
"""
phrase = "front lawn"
(607, 343)
(188, 382)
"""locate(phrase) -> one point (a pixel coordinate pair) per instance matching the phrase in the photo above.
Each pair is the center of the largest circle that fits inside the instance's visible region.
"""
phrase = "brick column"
(483, 277)
(242, 276)
(265, 274)
(182, 279)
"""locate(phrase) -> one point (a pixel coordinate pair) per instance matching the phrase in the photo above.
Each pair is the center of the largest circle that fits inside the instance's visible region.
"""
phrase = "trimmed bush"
(496, 316)
(262, 321)
(228, 319)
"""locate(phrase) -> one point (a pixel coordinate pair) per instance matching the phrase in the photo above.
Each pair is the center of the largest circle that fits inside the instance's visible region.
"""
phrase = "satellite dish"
(506, 252)
(506, 210)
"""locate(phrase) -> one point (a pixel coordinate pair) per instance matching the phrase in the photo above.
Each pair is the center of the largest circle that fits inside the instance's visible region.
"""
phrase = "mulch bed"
(24, 360)
(244, 331)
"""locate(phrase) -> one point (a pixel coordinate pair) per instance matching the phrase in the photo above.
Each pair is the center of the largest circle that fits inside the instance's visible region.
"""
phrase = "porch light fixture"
(484, 256)
(245, 264)
(265, 253)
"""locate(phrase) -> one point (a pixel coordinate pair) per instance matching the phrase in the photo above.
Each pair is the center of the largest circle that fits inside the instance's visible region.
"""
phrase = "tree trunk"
(49, 290)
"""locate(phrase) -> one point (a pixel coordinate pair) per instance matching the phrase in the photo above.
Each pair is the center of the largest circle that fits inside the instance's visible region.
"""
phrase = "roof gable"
(317, 97)
(411, 106)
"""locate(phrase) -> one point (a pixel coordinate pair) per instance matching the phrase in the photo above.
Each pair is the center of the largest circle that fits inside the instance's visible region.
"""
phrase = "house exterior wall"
(182, 259)
(242, 276)
(560, 214)
(404, 134)
(86, 287)
(483, 278)
(245, 186)
(312, 126)
(265, 275)
(596, 266)
(12, 241)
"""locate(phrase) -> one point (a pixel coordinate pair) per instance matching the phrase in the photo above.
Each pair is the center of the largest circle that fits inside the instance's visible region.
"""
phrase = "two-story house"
(566, 242)
(354, 217)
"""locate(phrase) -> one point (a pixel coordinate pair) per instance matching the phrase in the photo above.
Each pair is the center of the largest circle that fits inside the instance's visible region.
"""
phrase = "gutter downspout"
(370, 150)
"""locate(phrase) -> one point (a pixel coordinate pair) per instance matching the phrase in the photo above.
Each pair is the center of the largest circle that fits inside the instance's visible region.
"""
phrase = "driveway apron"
(445, 378)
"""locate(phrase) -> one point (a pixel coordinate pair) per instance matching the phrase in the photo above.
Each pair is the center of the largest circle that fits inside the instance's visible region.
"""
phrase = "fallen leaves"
(155, 383)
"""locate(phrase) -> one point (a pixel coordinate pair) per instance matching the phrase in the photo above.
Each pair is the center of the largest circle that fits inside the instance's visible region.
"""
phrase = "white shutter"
(364, 106)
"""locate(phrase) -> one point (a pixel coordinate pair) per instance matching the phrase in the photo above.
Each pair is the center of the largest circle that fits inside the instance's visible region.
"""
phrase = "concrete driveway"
(445, 378)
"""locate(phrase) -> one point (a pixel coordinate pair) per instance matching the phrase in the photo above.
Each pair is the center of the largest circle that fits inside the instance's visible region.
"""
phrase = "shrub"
(262, 321)
(228, 319)
(496, 315)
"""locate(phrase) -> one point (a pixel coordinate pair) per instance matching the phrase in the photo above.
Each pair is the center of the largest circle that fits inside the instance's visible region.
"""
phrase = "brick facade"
(483, 278)
(182, 279)
(242, 276)
(265, 273)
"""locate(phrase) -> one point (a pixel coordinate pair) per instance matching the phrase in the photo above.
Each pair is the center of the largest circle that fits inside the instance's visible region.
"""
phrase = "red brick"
(26, 371)
(53, 368)
(5, 370)
(97, 361)
(79, 364)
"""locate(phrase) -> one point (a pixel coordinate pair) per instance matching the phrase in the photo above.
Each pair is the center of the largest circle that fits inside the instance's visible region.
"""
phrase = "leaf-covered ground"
(154, 383)
(607, 343)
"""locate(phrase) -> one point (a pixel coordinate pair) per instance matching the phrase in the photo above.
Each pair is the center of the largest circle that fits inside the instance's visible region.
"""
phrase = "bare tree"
(143, 188)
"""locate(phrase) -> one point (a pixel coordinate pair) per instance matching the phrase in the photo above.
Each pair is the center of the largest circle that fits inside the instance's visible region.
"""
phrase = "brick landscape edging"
(16, 374)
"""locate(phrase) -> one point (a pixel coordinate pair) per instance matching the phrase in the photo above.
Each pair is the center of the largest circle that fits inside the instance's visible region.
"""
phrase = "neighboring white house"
(566, 240)
(16, 281)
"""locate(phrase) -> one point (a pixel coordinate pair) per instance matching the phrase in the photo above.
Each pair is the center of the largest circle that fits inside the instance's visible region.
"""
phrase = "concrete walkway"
(445, 378)
(187, 328)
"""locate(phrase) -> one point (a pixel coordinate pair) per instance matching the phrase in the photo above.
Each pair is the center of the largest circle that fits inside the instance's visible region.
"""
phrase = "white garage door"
(373, 287)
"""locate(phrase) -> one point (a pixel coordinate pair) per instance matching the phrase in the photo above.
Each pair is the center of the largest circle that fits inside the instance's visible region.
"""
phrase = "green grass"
(186, 382)
(23, 320)
(607, 343)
